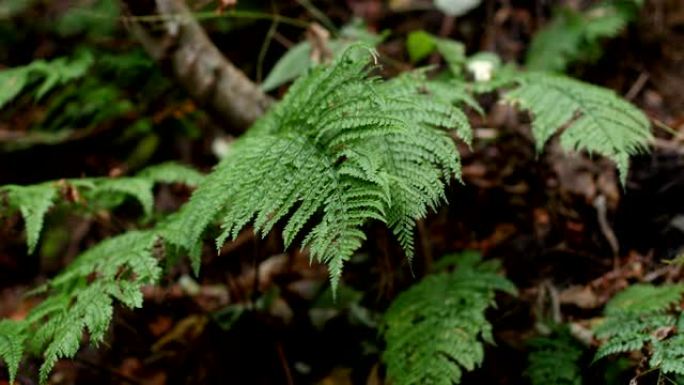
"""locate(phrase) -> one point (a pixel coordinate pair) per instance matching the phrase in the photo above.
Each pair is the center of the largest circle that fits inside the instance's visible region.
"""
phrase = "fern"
(594, 119)
(12, 339)
(35, 201)
(340, 150)
(43, 75)
(435, 328)
(574, 36)
(554, 360)
(648, 318)
(82, 298)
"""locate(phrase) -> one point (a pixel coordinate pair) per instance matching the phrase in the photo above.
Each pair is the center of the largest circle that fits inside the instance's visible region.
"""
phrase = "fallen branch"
(210, 79)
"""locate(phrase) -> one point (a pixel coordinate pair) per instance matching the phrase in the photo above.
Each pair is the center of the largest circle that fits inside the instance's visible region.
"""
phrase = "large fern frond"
(340, 150)
(593, 119)
(434, 330)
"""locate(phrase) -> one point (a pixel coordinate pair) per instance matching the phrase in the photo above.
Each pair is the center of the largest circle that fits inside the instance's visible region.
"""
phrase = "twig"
(608, 233)
(264, 48)
(637, 86)
(283, 361)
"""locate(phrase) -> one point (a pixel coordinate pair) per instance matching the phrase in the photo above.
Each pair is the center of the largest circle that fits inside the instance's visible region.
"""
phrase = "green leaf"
(419, 45)
(295, 62)
(453, 53)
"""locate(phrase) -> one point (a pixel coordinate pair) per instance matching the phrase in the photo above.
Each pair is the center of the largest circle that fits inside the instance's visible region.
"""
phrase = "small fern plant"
(576, 36)
(647, 319)
(555, 359)
(435, 330)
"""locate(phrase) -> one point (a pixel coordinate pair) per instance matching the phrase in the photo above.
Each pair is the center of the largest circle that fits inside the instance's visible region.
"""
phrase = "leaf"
(419, 45)
(453, 53)
(33, 202)
(171, 172)
(12, 82)
(296, 61)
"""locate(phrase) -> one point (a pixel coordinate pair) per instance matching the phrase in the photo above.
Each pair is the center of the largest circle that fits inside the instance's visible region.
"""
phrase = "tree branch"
(213, 81)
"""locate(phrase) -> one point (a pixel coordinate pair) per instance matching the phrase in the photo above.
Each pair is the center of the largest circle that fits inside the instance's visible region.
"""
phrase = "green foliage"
(12, 339)
(82, 298)
(42, 75)
(593, 119)
(574, 36)
(340, 150)
(434, 330)
(420, 44)
(646, 318)
(554, 359)
(34, 201)
(121, 266)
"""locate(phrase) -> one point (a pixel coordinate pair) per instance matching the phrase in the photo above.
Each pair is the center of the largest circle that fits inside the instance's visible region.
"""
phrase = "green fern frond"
(434, 329)
(82, 298)
(554, 360)
(340, 150)
(12, 339)
(34, 201)
(645, 316)
(645, 299)
(593, 119)
(43, 75)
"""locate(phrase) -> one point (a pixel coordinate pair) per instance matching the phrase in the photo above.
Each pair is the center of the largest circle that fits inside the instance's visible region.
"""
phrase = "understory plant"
(343, 149)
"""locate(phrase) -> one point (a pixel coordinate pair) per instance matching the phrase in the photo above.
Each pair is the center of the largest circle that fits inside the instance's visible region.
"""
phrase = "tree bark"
(197, 65)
